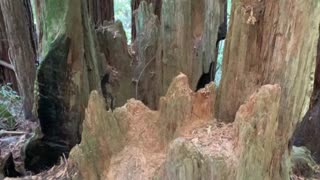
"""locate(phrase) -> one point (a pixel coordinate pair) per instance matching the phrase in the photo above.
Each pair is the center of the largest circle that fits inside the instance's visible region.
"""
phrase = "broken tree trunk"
(129, 143)
(70, 70)
(188, 34)
(21, 49)
(188, 29)
(145, 48)
(267, 43)
(113, 42)
(182, 140)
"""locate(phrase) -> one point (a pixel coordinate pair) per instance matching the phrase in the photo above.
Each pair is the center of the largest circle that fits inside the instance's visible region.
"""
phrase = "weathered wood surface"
(113, 42)
(270, 42)
(182, 140)
(100, 11)
(134, 7)
(185, 41)
(188, 30)
(129, 143)
(72, 67)
(21, 50)
(145, 48)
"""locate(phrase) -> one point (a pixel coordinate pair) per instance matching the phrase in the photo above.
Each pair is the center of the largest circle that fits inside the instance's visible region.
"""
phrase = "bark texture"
(7, 75)
(145, 48)
(71, 69)
(135, 5)
(31, 26)
(113, 43)
(21, 49)
(188, 29)
(266, 43)
(100, 11)
(256, 125)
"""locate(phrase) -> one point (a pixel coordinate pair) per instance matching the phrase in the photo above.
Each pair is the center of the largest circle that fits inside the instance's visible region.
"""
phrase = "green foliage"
(8, 94)
(122, 12)
(9, 103)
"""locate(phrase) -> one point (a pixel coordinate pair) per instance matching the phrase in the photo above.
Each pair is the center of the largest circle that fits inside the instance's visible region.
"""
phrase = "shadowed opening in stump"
(206, 78)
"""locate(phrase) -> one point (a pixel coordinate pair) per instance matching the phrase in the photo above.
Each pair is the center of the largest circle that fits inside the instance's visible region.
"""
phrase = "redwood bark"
(21, 48)
(31, 25)
(6, 75)
(100, 11)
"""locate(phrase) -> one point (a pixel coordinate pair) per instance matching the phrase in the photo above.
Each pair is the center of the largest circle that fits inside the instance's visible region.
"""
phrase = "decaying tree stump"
(187, 31)
(186, 36)
(259, 51)
(134, 137)
(182, 140)
(72, 67)
(268, 43)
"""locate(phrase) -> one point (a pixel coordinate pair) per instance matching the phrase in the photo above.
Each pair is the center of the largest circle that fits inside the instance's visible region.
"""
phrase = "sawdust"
(214, 139)
(143, 153)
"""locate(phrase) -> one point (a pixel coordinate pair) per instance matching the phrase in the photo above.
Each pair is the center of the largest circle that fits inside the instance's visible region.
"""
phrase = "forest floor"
(12, 142)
